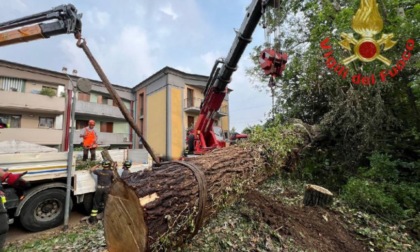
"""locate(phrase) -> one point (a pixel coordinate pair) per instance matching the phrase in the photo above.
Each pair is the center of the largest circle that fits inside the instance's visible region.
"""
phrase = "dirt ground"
(17, 232)
(314, 228)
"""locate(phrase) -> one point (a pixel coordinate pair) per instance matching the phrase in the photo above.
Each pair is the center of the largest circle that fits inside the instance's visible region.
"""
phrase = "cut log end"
(317, 196)
(125, 228)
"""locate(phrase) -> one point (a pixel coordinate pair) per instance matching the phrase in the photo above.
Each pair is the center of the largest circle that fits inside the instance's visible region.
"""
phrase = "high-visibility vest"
(90, 137)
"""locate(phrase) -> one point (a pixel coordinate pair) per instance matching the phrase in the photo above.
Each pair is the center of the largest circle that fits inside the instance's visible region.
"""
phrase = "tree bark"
(317, 196)
(106, 156)
(160, 208)
(166, 205)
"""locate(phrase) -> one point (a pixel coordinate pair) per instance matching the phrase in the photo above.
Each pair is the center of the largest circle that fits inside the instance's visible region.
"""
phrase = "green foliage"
(48, 92)
(79, 238)
(86, 165)
(374, 126)
(276, 140)
(407, 195)
(319, 167)
(378, 189)
(371, 197)
(382, 169)
(247, 130)
(379, 234)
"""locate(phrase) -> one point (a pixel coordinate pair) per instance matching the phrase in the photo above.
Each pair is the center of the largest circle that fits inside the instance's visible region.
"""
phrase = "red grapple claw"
(11, 178)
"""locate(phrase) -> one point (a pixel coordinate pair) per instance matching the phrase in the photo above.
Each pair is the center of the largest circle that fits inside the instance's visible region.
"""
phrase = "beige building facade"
(35, 106)
(168, 104)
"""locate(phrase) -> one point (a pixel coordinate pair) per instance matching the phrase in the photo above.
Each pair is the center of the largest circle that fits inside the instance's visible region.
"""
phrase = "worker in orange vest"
(90, 139)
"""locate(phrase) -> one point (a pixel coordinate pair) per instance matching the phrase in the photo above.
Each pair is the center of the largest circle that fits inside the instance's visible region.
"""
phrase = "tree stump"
(317, 196)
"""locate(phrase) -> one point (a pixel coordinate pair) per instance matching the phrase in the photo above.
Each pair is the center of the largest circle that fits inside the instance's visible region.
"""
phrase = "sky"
(132, 40)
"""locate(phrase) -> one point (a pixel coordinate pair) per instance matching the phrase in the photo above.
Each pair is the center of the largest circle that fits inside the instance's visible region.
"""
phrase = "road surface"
(18, 233)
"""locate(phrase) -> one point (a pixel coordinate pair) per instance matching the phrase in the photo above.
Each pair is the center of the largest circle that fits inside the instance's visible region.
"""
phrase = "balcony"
(38, 136)
(97, 109)
(31, 102)
(192, 106)
(223, 111)
(105, 138)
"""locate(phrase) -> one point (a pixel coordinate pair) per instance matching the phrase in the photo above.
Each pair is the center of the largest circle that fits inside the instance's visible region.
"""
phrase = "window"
(106, 100)
(141, 126)
(12, 84)
(107, 127)
(83, 97)
(141, 103)
(190, 97)
(80, 124)
(12, 121)
(46, 122)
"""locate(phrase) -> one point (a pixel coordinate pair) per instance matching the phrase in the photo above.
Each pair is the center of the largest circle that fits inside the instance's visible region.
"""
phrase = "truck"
(40, 204)
(271, 61)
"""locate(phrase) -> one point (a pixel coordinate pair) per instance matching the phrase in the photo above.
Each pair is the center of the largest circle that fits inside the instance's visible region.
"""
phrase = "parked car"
(235, 137)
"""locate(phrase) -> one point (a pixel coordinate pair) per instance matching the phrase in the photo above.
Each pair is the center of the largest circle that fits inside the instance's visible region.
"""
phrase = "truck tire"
(44, 210)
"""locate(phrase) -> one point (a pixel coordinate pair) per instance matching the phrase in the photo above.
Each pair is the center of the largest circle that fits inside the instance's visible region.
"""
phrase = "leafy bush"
(384, 190)
(371, 197)
(48, 92)
(320, 167)
(382, 169)
(407, 195)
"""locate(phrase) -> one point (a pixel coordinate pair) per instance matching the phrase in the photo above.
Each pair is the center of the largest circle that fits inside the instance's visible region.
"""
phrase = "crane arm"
(220, 77)
(59, 20)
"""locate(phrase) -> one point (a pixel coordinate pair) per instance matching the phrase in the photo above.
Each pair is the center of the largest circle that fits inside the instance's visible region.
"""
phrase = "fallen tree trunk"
(168, 204)
(160, 208)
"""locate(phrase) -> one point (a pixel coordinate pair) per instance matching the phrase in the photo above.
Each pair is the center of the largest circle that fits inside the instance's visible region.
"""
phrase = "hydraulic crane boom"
(215, 91)
(59, 20)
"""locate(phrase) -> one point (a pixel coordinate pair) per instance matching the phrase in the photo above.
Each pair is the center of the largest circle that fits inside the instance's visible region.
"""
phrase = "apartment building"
(112, 128)
(167, 105)
(35, 107)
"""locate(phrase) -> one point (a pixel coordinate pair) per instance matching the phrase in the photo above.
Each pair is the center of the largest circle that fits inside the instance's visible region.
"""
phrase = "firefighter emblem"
(367, 22)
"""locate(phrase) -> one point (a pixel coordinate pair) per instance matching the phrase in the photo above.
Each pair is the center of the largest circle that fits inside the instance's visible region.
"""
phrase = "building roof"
(164, 71)
(51, 73)
(169, 70)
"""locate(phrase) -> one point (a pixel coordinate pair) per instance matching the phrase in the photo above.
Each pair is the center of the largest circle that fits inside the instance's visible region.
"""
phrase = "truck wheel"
(44, 210)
